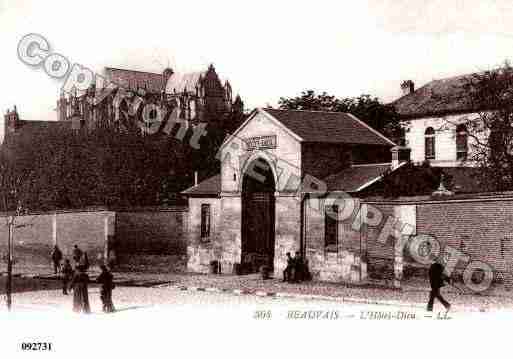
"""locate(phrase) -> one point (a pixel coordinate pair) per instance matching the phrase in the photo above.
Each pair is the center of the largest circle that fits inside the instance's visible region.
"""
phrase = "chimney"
(407, 87)
(400, 154)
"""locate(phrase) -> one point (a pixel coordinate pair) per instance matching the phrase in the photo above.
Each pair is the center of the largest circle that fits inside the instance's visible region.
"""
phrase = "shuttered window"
(429, 137)
(461, 142)
(205, 222)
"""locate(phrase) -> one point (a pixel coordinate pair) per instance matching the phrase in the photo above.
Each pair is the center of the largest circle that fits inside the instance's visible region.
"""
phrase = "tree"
(490, 127)
(15, 190)
(398, 183)
(370, 110)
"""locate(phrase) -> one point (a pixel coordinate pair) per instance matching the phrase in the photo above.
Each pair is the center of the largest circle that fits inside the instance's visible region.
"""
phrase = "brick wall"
(475, 227)
(478, 226)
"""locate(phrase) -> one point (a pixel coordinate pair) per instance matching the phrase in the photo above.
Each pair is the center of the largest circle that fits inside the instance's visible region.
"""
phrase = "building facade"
(198, 97)
(275, 169)
(435, 117)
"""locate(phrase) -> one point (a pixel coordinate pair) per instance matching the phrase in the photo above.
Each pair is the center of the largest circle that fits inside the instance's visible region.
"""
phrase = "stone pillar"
(109, 222)
(229, 239)
(287, 229)
(406, 218)
(54, 229)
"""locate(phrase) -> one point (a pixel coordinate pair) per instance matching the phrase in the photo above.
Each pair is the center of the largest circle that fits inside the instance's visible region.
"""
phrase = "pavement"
(413, 292)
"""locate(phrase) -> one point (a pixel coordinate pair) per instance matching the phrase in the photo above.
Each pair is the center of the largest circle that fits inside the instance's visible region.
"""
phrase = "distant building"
(198, 96)
(435, 116)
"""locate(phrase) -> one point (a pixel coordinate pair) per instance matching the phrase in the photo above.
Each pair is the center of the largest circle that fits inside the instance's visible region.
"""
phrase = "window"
(331, 228)
(205, 222)
(461, 142)
(429, 137)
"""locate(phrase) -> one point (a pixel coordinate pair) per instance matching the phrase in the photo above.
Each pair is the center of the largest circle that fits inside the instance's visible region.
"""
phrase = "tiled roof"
(352, 178)
(210, 186)
(437, 98)
(334, 127)
(134, 80)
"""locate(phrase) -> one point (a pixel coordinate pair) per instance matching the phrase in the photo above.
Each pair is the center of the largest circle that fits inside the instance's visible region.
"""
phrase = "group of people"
(79, 257)
(77, 279)
(296, 270)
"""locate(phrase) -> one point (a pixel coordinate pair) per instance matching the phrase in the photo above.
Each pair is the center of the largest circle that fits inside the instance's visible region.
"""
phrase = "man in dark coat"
(299, 268)
(77, 254)
(107, 284)
(287, 273)
(84, 261)
(437, 279)
(56, 258)
(67, 275)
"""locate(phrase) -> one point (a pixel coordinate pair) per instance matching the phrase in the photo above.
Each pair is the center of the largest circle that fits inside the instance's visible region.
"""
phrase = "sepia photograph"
(253, 178)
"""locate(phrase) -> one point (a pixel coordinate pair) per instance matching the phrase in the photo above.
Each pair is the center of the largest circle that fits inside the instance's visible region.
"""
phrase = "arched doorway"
(258, 210)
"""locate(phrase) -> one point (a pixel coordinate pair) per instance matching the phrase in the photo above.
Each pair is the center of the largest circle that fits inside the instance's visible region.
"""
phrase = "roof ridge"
(319, 111)
(372, 164)
(128, 70)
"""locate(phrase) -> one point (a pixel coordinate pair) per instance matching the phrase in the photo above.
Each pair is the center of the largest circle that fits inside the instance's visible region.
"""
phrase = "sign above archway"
(260, 142)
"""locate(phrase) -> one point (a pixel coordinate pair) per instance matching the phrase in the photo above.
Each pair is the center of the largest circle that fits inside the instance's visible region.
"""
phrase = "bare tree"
(491, 128)
(15, 192)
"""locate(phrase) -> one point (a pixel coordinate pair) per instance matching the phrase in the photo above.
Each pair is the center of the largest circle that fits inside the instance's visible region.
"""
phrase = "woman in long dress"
(106, 280)
(80, 291)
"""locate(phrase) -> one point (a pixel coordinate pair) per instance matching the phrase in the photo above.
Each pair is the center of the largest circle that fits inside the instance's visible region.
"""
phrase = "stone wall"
(345, 263)
(285, 158)
(201, 251)
(288, 230)
(36, 234)
(151, 238)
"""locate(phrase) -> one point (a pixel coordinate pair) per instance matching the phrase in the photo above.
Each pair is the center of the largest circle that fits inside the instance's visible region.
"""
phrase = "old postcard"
(232, 178)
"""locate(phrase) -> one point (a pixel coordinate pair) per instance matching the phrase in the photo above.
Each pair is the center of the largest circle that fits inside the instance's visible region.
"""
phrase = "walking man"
(437, 279)
(107, 284)
(56, 258)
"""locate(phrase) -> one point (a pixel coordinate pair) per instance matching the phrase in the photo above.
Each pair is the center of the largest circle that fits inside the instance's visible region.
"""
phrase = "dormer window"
(429, 137)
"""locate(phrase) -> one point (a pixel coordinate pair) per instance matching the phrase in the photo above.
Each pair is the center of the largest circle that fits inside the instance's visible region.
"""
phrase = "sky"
(267, 49)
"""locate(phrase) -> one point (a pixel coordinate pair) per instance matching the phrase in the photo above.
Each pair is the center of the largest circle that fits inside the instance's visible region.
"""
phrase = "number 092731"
(36, 346)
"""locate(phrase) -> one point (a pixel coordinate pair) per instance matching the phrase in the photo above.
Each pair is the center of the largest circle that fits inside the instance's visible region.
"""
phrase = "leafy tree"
(490, 127)
(370, 110)
(399, 183)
